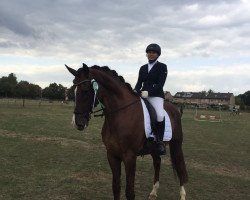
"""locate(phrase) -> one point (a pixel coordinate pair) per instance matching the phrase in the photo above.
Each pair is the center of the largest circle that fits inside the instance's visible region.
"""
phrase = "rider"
(153, 76)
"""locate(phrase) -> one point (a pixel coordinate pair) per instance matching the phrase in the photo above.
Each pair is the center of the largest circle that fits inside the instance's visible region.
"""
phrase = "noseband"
(95, 87)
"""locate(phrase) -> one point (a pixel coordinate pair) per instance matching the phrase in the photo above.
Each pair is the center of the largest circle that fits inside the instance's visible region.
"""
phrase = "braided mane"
(115, 75)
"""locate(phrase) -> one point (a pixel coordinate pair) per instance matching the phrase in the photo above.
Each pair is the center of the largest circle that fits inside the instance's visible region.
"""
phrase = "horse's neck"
(112, 92)
(106, 81)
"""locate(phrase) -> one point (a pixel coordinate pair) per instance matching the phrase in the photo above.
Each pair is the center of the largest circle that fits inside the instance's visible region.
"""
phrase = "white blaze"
(73, 122)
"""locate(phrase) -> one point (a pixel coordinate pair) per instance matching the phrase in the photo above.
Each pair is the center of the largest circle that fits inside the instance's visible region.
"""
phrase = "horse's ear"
(72, 71)
(84, 65)
(85, 68)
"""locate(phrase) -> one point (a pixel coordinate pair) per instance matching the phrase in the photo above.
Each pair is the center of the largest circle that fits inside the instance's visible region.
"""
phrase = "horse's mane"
(115, 75)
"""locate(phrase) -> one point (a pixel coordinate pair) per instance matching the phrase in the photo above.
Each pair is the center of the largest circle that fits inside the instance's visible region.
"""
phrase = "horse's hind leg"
(157, 166)
(115, 165)
(179, 165)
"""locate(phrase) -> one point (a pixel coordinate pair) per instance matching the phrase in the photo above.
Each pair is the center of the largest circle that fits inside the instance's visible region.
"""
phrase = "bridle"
(76, 84)
(95, 87)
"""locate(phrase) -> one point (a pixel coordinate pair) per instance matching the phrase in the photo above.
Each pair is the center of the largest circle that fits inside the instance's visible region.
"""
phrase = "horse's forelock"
(84, 69)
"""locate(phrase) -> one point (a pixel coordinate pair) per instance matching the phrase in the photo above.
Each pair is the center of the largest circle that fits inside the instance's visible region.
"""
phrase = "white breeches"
(157, 103)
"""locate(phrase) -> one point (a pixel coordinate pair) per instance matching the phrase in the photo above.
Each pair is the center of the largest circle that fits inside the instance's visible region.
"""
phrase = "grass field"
(42, 157)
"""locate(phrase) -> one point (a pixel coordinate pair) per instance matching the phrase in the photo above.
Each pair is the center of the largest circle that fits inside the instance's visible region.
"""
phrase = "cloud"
(233, 79)
(12, 22)
(46, 34)
(42, 75)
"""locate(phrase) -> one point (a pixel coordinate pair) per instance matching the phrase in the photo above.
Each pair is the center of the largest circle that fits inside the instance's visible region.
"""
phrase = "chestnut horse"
(123, 129)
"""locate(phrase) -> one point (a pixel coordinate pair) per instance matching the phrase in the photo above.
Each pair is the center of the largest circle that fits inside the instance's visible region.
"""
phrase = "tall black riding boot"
(161, 148)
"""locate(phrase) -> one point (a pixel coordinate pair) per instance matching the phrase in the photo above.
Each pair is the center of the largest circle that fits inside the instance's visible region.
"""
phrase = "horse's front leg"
(130, 168)
(157, 167)
(115, 165)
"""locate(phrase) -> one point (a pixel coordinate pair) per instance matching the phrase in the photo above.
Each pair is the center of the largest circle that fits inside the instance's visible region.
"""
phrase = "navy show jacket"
(152, 81)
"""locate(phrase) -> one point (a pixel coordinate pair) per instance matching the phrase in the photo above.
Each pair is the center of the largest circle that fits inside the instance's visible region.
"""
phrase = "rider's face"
(152, 55)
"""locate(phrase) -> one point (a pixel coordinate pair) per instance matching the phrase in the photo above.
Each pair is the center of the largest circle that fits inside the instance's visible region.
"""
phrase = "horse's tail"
(178, 162)
(175, 145)
(177, 158)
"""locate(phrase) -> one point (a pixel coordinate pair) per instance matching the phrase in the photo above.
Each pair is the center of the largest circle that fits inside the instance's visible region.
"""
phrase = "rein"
(96, 88)
(126, 106)
(114, 111)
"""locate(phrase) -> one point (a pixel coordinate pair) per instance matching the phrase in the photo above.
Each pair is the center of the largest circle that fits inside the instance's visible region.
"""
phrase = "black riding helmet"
(154, 47)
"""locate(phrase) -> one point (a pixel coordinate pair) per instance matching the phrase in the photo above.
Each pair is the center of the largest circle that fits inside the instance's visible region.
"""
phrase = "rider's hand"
(144, 94)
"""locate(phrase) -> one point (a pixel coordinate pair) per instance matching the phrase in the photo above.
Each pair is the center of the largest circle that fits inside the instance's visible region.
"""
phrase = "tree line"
(11, 88)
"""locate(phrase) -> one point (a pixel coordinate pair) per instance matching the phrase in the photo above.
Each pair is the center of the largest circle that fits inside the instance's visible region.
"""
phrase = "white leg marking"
(73, 122)
(182, 193)
(156, 186)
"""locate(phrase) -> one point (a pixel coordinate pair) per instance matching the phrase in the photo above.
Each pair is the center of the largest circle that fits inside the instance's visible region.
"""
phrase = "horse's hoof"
(152, 197)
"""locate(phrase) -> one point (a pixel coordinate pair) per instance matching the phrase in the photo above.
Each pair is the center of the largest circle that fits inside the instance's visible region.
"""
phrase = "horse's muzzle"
(81, 121)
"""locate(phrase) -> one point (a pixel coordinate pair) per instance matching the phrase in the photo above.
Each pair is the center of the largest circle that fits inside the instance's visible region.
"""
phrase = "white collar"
(150, 65)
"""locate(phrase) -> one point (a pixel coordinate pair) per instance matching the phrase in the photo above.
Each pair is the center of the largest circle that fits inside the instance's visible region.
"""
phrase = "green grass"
(43, 157)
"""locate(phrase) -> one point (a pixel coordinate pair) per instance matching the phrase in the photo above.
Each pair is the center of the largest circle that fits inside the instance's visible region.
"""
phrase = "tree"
(238, 101)
(203, 92)
(245, 98)
(210, 91)
(34, 91)
(8, 85)
(22, 89)
(54, 91)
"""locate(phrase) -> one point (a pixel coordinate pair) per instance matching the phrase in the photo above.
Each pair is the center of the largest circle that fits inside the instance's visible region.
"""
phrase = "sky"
(205, 44)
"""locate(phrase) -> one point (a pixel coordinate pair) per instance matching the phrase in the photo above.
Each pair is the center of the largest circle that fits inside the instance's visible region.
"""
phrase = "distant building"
(205, 99)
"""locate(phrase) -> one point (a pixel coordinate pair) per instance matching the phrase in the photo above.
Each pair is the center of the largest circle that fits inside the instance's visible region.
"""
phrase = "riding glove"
(144, 94)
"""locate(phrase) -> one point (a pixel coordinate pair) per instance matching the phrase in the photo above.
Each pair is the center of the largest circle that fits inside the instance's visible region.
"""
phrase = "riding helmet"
(154, 47)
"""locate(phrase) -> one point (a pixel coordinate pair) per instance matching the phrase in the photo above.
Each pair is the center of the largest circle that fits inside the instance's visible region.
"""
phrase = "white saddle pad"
(147, 124)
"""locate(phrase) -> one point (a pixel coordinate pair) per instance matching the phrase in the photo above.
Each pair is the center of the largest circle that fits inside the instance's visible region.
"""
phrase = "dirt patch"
(231, 171)
(91, 176)
(42, 138)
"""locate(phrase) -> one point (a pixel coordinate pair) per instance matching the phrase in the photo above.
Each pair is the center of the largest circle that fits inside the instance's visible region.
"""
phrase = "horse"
(123, 128)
